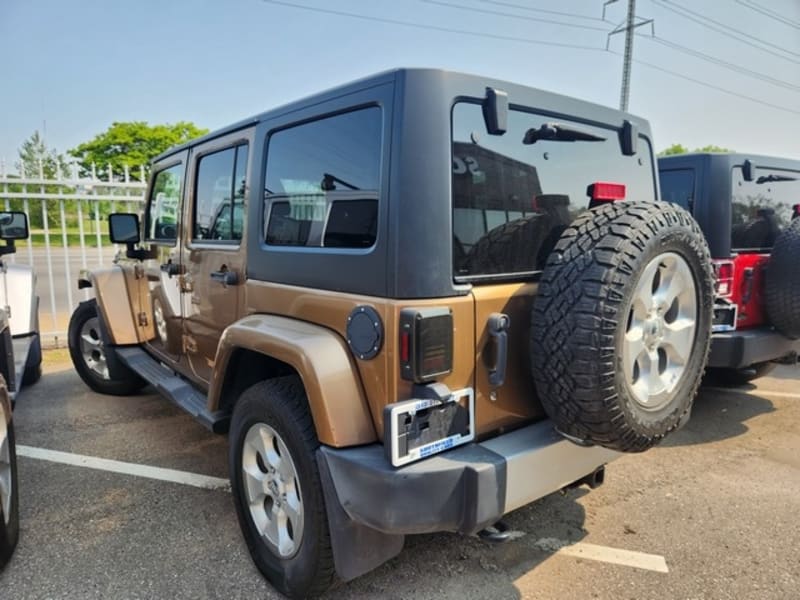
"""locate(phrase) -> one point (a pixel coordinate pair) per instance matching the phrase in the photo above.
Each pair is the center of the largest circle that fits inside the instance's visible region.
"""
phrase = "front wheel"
(90, 355)
(277, 489)
(9, 496)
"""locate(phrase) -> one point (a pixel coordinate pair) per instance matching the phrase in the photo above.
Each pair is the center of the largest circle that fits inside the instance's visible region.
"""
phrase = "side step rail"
(174, 387)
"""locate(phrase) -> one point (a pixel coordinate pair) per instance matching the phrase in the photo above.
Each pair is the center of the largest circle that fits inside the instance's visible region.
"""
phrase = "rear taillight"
(426, 343)
(723, 270)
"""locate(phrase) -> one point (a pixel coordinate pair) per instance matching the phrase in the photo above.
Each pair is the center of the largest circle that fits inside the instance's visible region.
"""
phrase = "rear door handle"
(225, 277)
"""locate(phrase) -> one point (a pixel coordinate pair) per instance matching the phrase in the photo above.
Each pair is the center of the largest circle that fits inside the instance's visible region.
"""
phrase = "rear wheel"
(277, 489)
(621, 324)
(90, 355)
(9, 496)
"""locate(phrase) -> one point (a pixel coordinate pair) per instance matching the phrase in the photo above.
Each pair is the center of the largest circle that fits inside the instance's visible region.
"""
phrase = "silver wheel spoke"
(678, 338)
(635, 340)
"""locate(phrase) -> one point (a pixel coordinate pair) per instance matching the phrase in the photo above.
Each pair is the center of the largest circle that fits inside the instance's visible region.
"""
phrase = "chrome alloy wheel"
(6, 482)
(662, 324)
(272, 489)
(94, 355)
(161, 323)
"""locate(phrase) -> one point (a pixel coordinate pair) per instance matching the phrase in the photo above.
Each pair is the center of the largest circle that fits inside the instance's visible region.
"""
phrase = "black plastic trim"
(738, 349)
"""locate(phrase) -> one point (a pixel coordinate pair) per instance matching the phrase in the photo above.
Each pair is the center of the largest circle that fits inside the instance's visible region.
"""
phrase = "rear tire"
(9, 498)
(621, 324)
(279, 502)
(90, 355)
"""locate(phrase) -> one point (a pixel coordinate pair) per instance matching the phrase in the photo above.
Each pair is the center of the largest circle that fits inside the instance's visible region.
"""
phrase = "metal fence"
(69, 231)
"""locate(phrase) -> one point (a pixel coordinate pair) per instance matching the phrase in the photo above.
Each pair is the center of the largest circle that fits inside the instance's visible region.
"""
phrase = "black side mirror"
(123, 228)
(13, 226)
(495, 111)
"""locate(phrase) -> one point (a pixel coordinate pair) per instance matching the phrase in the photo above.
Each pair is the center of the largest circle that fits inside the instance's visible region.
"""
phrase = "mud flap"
(357, 549)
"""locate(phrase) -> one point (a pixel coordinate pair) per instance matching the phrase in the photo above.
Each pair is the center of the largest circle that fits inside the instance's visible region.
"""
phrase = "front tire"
(9, 494)
(276, 487)
(90, 355)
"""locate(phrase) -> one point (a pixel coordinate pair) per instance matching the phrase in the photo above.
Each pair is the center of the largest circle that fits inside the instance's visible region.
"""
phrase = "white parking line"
(616, 556)
(757, 392)
(125, 468)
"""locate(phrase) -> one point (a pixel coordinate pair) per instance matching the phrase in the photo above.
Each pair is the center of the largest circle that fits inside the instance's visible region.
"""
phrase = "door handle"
(498, 325)
(171, 268)
(225, 277)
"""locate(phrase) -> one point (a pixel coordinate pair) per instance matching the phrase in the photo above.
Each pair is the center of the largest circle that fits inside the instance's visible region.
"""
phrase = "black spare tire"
(782, 285)
(621, 324)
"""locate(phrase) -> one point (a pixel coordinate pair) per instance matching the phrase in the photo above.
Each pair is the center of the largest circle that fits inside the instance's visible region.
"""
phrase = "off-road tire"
(9, 532)
(782, 285)
(123, 381)
(726, 377)
(281, 404)
(580, 316)
(33, 366)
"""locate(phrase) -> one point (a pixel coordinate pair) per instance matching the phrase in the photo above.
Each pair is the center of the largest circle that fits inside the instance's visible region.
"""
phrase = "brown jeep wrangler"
(416, 303)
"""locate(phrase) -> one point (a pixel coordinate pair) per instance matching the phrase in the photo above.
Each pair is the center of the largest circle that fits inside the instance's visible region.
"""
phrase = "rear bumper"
(738, 349)
(462, 490)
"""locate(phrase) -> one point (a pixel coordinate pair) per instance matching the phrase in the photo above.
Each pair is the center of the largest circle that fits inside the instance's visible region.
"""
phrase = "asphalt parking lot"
(712, 513)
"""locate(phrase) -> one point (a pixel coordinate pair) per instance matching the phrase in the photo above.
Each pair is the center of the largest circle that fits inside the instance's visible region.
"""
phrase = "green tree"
(133, 143)
(681, 149)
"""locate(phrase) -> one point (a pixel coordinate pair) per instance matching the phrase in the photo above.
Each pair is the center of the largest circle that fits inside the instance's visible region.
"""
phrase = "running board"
(170, 384)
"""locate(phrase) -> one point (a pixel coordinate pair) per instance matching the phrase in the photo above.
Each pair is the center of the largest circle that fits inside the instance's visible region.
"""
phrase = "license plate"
(421, 428)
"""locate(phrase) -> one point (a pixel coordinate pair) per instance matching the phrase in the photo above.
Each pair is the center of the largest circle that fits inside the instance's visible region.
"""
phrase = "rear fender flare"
(322, 360)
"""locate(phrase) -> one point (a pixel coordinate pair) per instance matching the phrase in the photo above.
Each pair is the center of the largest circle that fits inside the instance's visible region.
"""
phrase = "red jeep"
(748, 207)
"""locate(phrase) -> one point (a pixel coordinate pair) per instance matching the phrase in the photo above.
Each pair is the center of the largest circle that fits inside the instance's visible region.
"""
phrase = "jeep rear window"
(677, 186)
(322, 182)
(511, 201)
(762, 208)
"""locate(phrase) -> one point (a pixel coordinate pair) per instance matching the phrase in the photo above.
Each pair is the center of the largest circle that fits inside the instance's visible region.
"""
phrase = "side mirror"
(123, 228)
(13, 225)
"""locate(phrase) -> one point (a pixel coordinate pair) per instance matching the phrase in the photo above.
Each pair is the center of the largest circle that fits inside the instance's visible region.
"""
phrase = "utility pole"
(628, 27)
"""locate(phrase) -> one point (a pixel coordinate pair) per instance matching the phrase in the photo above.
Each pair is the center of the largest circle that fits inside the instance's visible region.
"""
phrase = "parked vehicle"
(437, 298)
(747, 207)
(17, 285)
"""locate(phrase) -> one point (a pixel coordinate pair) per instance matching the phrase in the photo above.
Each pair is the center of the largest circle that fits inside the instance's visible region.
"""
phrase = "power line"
(769, 13)
(513, 16)
(724, 29)
(493, 36)
(722, 63)
(712, 86)
(521, 40)
(541, 10)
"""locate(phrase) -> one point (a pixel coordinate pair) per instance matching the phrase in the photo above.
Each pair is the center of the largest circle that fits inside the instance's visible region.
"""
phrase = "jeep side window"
(162, 210)
(762, 208)
(512, 200)
(219, 195)
(323, 181)
(677, 186)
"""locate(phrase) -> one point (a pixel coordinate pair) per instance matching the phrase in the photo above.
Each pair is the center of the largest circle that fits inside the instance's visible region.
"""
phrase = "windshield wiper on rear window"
(556, 132)
(773, 178)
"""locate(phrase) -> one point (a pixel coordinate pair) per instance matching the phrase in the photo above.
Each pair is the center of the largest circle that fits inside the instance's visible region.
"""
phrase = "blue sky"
(81, 64)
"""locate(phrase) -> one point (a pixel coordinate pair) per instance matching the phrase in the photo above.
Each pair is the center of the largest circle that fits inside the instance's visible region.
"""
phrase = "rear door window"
(511, 200)
(762, 208)
(677, 186)
(219, 196)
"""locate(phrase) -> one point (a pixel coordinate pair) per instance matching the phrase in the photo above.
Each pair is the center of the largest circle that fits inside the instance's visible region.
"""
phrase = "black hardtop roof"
(727, 160)
(569, 104)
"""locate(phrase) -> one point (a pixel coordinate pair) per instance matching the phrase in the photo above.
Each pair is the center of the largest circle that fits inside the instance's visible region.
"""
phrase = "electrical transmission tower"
(628, 26)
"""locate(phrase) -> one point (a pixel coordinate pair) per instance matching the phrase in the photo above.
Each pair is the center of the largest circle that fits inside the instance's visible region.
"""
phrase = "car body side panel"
(321, 358)
(117, 307)
(18, 293)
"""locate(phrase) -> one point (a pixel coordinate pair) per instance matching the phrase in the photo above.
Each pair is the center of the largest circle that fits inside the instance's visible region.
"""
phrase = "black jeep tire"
(726, 377)
(33, 366)
(90, 354)
(593, 381)
(782, 285)
(9, 523)
(279, 408)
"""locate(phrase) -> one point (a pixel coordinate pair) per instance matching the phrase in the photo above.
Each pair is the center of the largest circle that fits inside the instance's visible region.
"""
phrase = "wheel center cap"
(653, 331)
